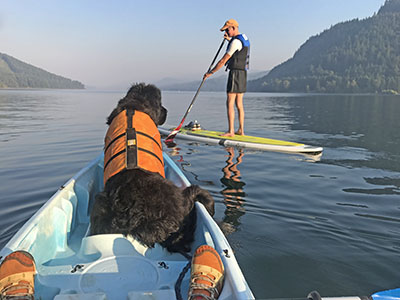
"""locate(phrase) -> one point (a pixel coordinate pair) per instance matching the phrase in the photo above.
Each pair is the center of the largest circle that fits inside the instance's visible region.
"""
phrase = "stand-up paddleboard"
(245, 141)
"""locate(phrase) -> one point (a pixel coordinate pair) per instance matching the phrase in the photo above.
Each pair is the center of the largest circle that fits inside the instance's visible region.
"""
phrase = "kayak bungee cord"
(178, 282)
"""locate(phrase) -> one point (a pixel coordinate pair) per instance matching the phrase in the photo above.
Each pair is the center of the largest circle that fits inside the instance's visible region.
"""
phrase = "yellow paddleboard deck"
(244, 141)
(241, 138)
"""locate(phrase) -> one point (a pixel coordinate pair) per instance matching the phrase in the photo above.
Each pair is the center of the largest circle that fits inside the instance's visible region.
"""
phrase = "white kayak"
(73, 265)
(245, 141)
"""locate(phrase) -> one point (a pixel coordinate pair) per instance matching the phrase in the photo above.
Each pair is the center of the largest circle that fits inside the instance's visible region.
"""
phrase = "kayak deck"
(71, 264)
(245, 141)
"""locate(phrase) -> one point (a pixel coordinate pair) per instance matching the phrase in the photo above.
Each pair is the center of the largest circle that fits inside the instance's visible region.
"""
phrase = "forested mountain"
(17, 74)
(354, 56)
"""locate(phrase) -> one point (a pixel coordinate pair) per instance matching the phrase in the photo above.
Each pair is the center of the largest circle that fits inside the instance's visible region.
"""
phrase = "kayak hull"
(73, 265)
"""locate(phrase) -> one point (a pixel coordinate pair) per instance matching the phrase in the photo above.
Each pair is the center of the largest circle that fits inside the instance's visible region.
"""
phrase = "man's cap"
(229, 23)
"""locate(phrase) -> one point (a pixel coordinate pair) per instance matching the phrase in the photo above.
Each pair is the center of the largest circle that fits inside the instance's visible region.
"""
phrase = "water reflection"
(18, 115)
(233, 191)
(175, 151)
(361, 130)
(381, 186)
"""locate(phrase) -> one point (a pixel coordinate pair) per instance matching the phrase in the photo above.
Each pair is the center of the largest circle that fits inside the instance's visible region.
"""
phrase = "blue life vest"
(240, 59)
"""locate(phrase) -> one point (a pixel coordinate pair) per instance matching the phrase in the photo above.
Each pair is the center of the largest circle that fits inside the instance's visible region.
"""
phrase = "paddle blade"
(170, 143)
(172, 135)
(170, 138)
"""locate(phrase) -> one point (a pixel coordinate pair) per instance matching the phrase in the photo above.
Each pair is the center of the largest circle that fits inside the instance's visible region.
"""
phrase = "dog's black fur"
(144, 204)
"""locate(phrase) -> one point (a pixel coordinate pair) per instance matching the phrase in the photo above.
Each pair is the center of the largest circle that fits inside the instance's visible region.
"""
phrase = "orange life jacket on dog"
(132, 141)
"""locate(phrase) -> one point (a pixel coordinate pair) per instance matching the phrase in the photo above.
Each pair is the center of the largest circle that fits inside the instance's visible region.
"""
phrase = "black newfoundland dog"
(139, 202)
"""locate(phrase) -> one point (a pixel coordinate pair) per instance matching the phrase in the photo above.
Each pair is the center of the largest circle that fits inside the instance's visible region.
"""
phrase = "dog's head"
(145, 98)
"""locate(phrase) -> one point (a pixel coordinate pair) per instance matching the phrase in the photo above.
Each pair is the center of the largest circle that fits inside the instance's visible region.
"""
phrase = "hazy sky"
(116, 42)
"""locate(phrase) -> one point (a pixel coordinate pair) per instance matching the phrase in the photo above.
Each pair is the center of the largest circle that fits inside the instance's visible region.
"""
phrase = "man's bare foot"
(228, 134)
(239, 132)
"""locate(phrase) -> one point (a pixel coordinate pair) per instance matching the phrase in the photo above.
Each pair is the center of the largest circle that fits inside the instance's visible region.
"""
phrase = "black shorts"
(237, 81)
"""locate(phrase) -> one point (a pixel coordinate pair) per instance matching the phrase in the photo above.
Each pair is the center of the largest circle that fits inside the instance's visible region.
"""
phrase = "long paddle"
(172, 135)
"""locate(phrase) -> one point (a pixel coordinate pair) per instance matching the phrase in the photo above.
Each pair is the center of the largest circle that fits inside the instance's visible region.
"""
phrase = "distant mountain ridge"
(213, 84)
(17, 74)
(357, 56)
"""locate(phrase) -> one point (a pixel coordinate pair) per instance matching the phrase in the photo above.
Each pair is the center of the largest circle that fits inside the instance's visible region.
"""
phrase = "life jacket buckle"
(131, 143)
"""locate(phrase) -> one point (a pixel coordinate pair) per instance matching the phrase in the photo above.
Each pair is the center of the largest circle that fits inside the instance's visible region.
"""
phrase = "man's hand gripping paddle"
(169, 139)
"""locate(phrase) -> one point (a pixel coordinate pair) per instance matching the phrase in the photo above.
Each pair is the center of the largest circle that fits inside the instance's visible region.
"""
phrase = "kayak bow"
(73, 265)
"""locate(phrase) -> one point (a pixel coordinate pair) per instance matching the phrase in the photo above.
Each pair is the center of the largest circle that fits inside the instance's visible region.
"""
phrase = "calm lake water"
(295, 224)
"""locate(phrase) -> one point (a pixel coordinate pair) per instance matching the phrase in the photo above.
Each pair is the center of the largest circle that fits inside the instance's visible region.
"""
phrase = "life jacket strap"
(131, 142)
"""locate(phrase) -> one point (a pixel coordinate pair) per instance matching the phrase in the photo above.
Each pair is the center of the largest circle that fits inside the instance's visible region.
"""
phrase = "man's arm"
(218, 66)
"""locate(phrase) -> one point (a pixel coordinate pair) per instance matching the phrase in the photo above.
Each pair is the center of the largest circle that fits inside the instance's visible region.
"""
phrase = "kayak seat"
(143, 273)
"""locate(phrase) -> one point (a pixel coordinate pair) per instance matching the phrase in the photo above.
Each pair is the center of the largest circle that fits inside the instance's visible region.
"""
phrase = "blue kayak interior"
(71, 263)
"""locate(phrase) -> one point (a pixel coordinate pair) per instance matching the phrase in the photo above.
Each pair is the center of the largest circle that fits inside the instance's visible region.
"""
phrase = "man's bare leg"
(230, 107)
(239, 106)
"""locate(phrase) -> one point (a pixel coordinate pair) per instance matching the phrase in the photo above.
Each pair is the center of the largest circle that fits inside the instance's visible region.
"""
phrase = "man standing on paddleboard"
(237, 60)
